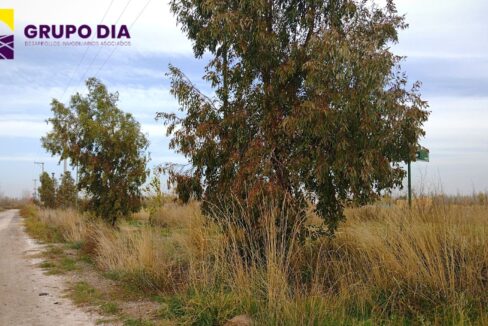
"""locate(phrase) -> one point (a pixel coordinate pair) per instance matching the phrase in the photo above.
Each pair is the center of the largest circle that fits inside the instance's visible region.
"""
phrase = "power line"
(106, 11)
(130, 27)
(100, 48)
(86, 51)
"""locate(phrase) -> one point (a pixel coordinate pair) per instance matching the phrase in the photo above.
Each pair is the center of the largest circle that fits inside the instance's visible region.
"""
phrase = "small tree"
(47, 191)
(310, 103)
(67, 192)
(106, 145)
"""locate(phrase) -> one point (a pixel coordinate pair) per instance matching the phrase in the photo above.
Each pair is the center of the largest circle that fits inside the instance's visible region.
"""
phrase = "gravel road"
(27, 296)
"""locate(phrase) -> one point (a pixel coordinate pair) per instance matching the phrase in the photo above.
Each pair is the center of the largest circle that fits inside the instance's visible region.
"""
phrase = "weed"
(76, 245)
(138, 322)
(84, 293)
(42, 231)
(110, 308)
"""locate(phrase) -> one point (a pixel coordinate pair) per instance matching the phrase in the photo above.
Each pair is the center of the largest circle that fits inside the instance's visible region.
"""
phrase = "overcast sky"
(446, 46)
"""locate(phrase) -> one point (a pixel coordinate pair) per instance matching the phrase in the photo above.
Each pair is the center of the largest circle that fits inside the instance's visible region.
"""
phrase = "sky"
(446, 47)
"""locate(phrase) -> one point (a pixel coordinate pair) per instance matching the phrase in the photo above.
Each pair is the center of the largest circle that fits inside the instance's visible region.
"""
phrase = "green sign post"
(423, 156)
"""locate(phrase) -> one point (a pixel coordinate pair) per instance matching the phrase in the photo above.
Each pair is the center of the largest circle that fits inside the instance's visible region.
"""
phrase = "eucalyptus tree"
(310, 104)
(106, 145)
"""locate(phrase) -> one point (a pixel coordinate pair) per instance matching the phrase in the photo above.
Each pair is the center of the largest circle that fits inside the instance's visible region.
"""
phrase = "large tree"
(106, 145)
(310, 103)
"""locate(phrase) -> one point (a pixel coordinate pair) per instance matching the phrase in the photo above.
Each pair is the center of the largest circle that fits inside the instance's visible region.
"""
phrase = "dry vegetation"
(11, 203)
(387, 264)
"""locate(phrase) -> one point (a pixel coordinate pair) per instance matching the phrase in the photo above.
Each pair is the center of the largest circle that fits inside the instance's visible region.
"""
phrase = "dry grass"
(390, 264)
(11, 203)
(144, 257)
(173, 215)
(73, 226)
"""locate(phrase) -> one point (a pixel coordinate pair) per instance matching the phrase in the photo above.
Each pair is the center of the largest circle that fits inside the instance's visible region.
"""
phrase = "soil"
(27, 295)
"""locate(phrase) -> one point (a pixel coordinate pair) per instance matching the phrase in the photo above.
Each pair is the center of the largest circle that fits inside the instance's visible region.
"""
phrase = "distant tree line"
(52, 195)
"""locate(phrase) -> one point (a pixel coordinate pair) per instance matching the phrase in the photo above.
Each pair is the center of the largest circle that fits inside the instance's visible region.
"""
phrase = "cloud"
(446, 45)
(27, 158)
(22, 129)
(36, 129)
(449, 77)
(441, 29)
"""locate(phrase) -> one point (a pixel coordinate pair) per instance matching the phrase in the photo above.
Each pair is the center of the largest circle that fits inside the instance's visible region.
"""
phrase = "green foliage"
(106, 145)
(83, 293)
(187, 186)
(110, 308)
(310, 105)
(47, 191)
(29, 210)
(67, 192)
(138, 322)
(40, 230)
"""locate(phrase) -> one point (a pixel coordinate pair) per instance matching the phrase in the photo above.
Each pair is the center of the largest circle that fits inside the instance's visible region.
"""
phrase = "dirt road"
(27, 296)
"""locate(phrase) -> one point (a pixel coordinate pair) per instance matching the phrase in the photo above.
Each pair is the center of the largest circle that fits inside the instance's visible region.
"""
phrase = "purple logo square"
(6, 47)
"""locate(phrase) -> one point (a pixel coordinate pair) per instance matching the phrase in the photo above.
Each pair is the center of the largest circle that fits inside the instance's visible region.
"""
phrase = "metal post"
(409, 185)
(41, 164)
(35, 189)
(77, 177)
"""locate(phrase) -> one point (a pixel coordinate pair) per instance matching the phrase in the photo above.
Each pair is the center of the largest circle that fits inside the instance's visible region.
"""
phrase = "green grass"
(84, 293)
(37, 228)
(113, 275)
(77, 245)
(86, 259)
(67, 264)
(42, 231)
(29, 210)
(136, 223)
(110, 308)
(57, 262)
(47, 265)
(206, 307)
(137, 322)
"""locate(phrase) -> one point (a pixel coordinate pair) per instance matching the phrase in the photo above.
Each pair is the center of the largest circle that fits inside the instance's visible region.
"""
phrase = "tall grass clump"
(145, 258)
(387, 264)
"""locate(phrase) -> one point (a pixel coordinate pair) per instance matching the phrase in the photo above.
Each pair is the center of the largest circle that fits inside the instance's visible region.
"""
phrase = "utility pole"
(409, 185)
(77, 177)
(35, 189)
(41, 164)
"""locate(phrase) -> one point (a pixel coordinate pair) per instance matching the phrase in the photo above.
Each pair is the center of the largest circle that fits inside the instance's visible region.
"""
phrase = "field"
(388, 264)
(11, 203)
